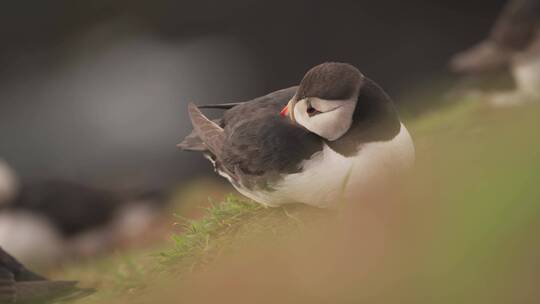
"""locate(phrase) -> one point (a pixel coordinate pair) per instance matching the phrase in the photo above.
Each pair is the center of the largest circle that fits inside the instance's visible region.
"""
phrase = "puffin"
(512, 49)
(323, 142)
(515, 30)
(46, 222)
(20, 285)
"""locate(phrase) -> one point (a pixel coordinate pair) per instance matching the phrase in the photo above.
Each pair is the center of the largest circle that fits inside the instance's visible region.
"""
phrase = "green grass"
(228, 224)
(464, 231)
(203, 239)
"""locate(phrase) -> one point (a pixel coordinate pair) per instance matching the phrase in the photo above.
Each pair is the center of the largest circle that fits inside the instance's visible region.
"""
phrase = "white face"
(327, 118)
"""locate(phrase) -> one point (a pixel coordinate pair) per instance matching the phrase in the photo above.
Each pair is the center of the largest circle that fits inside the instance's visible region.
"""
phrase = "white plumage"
(325, 179)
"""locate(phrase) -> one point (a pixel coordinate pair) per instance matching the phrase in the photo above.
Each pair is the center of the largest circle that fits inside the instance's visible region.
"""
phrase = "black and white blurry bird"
(321, 142)
(512, 46)
(50, 221)
(20, 285)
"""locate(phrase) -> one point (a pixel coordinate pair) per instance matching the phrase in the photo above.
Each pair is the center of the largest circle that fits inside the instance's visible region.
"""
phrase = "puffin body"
(316, 143)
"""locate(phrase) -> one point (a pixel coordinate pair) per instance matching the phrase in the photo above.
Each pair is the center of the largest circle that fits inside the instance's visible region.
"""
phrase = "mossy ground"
(476, 187)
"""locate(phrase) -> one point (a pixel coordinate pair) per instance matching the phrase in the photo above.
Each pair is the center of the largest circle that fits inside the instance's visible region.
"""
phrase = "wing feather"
(211, 134)
(222, 106)
(192, 142)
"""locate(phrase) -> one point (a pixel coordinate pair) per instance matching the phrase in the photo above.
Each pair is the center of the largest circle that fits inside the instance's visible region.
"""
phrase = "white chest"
(328, 177)
(527, 74)
(526, 69)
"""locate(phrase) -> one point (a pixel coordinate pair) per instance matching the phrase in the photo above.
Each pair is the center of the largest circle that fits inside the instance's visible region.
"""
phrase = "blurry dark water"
(95, 91)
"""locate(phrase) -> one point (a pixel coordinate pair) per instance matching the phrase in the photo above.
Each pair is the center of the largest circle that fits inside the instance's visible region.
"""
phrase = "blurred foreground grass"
(464, 230)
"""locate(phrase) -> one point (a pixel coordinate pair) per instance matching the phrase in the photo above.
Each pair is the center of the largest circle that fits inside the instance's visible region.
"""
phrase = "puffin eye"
(311, 111)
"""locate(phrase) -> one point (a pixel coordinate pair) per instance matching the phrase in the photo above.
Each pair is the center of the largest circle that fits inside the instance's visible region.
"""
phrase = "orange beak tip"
(284, 112)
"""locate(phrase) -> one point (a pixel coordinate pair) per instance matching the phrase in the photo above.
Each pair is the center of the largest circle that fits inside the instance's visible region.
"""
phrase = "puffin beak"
(285, 111)
(288, 110)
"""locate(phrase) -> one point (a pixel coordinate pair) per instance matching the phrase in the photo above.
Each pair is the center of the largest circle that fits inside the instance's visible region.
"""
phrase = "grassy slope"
(479, 167)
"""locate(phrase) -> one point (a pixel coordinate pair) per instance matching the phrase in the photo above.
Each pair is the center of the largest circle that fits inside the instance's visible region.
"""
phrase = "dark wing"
(270, 144)
(259, 150)
(18, 270)
(277, 97)
(7, 286)
(260, 141)
(223, 106)
(20, 285)
(210, 133)
(252, 142)
(193, 142)
(273, 102)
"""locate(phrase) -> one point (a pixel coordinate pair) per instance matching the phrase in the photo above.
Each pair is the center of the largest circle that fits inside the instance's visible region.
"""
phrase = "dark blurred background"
(95, 91)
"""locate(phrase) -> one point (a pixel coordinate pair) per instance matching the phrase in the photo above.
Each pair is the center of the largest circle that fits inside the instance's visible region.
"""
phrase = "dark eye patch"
(311, 111)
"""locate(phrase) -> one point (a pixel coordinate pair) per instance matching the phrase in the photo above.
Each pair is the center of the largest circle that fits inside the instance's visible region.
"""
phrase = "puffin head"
(326, 99)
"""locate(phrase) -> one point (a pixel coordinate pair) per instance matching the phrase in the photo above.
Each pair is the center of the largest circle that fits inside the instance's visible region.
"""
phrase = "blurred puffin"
(49, 221)
(20, 285)
(327, 139)
(511, 49)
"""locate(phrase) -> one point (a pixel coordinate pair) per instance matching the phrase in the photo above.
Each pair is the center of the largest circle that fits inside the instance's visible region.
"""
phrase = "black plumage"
(330, 81)
(20, 285)
(73, 208)
(259, 141)
(375, 119)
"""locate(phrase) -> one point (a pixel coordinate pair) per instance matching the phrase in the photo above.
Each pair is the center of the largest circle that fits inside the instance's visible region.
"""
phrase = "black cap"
(331, 81)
